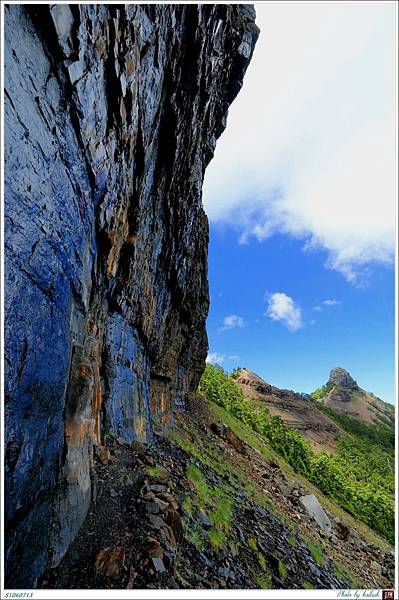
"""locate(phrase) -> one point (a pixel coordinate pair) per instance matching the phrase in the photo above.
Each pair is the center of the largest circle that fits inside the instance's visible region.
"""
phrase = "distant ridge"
(294, 408)
(341, 393)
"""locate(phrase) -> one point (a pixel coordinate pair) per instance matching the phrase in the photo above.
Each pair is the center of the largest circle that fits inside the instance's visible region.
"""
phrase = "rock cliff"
(111, 116)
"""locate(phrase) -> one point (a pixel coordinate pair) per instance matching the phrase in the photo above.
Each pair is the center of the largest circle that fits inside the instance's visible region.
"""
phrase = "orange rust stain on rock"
(112, 236)
(90, 429)
(140, 427)
(165, 402)
(100, 46)
(97, 391)
(74, 432)
(83, 371)
(96, 412)
(111, 260)
(129, 67)
(92, 327)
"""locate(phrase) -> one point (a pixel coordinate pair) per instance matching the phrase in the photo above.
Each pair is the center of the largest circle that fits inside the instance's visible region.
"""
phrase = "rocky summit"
(112, 113)
(342, 393)
(342, 378)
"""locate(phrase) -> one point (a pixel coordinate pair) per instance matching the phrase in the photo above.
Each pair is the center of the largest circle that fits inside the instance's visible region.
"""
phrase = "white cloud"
(281, 307)
(232, 321)
(328, 302)
(309, 147)
(331, 302)
(215, 358)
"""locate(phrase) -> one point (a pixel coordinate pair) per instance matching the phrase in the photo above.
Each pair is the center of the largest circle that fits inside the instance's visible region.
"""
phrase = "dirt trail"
(113, 521)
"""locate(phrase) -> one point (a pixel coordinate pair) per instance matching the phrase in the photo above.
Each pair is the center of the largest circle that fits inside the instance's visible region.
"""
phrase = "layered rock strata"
(111, 115)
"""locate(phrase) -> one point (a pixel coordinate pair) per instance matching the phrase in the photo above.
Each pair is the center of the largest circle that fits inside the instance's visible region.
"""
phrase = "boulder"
(103, 454)
(313, 508)
(160, 474)
(376, 567)
(228, 435)
(152, 548)
(152, 508)
(175, 523)
(110, 562)
(288, 488)
(158, 489)
(343, 530)
(156, 521)
(204, 519)
(235, 441)
(138, 447)
(158, 565)
(162, 505)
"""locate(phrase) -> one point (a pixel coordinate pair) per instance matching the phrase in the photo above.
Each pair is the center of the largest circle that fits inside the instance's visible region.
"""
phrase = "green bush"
(364, 491)
(321, 392)
(235, 372)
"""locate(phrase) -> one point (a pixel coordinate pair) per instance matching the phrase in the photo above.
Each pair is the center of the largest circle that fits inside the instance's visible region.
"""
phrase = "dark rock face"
(342, 378)
(111, 116)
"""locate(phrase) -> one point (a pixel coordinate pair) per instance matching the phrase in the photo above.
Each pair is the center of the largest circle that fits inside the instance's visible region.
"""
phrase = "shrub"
(321, 392)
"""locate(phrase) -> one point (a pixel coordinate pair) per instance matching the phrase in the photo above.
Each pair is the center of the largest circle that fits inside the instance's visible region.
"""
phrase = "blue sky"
(301, 201)
(355, 331)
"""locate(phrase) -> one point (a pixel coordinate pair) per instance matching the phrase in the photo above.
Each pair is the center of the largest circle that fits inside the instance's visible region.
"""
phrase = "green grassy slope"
(359, 478)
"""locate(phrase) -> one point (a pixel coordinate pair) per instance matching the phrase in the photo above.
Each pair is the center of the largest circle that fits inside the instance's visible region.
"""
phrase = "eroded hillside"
(318, 429)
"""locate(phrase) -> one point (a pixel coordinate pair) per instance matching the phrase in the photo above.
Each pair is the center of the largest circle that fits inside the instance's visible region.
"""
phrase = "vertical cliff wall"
(111, 116)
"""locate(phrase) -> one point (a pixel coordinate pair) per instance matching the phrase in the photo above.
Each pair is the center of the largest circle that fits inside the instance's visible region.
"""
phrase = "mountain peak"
(344, 394)
(342, 378)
